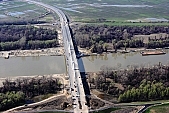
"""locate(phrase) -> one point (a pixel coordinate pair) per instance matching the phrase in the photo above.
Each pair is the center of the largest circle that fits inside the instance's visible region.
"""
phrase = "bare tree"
(106, 71)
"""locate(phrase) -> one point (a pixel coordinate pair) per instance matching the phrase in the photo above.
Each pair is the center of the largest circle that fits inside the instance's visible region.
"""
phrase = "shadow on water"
(82, 71)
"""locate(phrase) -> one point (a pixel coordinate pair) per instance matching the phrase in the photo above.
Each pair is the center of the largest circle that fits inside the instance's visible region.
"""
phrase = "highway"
(76, 86)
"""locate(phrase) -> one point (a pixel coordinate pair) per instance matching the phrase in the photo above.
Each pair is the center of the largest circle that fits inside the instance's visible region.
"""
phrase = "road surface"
(76, 86)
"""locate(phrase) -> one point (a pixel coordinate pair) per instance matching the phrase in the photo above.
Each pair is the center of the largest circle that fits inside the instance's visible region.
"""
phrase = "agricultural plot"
(115, 10)
(19, 10)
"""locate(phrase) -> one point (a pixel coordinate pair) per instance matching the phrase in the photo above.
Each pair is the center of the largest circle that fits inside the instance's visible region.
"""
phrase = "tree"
(26, 37)
(106, 71)
(22, 42)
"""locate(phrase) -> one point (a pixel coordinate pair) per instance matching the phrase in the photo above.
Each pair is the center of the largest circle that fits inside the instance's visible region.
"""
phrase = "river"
(23, 66)
(41, 65)
(93, 63)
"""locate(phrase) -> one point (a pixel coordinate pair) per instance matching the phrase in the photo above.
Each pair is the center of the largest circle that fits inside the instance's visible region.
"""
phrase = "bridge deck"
(76, 85)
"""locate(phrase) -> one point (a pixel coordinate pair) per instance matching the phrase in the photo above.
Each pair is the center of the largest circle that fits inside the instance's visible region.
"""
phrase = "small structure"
(152, 52)
(6, 55)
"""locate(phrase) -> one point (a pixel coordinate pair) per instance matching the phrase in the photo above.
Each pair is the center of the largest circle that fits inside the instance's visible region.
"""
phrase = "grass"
(108, 1)
(49, 18)
(19, 6)
(158, 109)
(107, 110)
(159, 9)
(146, 102)
(120, 23)
(91, 12)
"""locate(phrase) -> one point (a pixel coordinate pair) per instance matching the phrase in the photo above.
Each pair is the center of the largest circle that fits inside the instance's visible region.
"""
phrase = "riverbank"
(59, 51)
(35, 77)
(32, 88)
(157, 51)
(60, 101)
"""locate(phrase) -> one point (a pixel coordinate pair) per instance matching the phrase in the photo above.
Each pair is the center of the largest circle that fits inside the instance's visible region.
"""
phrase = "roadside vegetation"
(23, 90)
(26, 37)
(158, 109)
(100, 38)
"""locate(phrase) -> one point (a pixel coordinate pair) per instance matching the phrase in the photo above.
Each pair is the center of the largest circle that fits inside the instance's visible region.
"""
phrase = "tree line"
(26, 37)
(21, 22)
(147, 91)
(95, 37)
(26, 88)
(11, 99)
(134, 79)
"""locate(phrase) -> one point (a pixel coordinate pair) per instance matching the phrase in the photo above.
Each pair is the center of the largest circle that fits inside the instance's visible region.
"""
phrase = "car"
(73, 98)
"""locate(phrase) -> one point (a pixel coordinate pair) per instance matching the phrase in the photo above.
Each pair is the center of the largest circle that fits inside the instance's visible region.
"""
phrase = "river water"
(22, 66)
(121, 61)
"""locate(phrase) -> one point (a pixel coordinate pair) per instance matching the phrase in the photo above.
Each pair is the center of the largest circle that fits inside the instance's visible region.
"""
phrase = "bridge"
(76, 85)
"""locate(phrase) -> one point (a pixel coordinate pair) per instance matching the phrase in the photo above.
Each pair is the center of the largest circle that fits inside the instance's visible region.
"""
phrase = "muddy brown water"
(20, 66)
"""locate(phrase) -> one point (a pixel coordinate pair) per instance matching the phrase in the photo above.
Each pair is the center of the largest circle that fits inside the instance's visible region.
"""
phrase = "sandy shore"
(59, 51)
(41, 52)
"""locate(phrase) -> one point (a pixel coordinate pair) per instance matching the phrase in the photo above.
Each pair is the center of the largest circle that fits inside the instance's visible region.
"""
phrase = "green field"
(128, 23)
(158, 109)
(86, 11)
(93, 9)
(18, 10)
